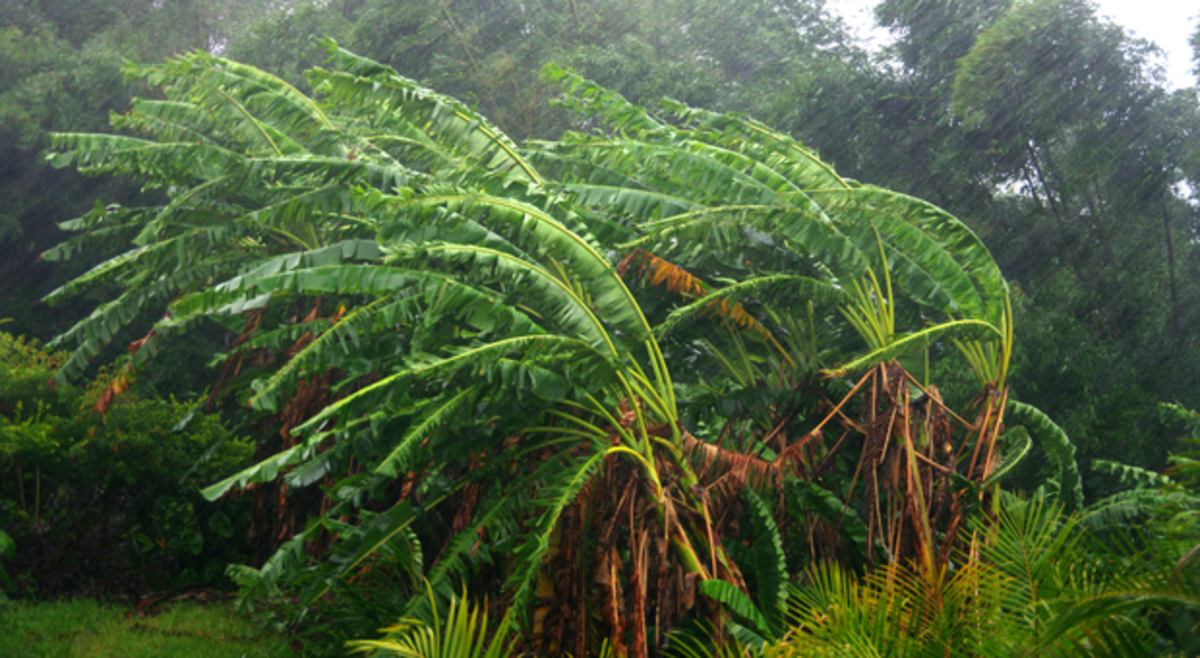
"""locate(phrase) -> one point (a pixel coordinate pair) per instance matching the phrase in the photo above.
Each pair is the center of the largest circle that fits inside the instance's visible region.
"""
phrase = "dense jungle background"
(647, 327)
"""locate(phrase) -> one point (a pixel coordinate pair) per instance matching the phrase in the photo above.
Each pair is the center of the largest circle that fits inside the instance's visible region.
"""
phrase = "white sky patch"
(1168, 23)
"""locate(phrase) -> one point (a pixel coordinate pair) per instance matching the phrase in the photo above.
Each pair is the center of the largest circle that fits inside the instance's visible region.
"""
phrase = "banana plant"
(720, 198)
(724, 194)
(433, 330)
(439, 330)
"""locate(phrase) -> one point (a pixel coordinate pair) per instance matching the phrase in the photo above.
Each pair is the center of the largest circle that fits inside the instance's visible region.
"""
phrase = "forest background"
(1068, 156)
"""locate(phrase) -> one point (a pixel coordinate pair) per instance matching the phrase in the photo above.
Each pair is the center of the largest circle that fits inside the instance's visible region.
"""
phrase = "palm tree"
(1043, 587)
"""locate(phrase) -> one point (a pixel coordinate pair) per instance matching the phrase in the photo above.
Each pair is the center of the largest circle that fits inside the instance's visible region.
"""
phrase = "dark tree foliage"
(741, 56)
(109, 505)
(59, 70)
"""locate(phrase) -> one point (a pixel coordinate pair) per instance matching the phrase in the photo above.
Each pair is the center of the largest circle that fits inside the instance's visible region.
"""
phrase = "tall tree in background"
(742, 56)
(1047, 129)
(1077, 123)
(915, 142)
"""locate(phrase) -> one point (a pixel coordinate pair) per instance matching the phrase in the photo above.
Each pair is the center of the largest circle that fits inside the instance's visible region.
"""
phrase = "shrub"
(109, 503)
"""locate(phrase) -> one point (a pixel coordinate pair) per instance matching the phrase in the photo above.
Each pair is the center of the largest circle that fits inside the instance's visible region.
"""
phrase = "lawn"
(85, 628)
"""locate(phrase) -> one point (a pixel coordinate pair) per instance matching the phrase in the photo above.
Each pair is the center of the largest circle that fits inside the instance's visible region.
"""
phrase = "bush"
(109, 503)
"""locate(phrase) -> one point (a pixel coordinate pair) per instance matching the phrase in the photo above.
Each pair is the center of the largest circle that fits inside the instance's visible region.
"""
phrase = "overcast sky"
(1169, 23)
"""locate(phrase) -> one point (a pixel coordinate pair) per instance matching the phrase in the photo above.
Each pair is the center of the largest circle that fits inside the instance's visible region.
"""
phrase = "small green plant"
(1042, 586)
(462, 634)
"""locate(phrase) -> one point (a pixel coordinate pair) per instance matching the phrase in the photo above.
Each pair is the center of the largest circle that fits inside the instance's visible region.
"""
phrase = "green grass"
(88, 629)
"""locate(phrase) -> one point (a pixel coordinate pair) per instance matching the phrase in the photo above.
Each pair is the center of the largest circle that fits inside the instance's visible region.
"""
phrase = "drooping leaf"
(1058, 445)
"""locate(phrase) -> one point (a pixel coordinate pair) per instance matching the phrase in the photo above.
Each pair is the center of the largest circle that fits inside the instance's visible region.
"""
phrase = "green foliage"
(489, 53)
(1058, 446)
(462, 634)
(457, 291)
(1131, 476)
(1069, 170)
(1017, 444)
(1098, 169)
(1175, 412)
(768, 205)
(448, 291)
(61, 70)
(108, 501)
(1041, 589)
(769, 561)
(759, 630)
(8, 548)
(456, 303)
(1033, 56)
(1195, 40)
